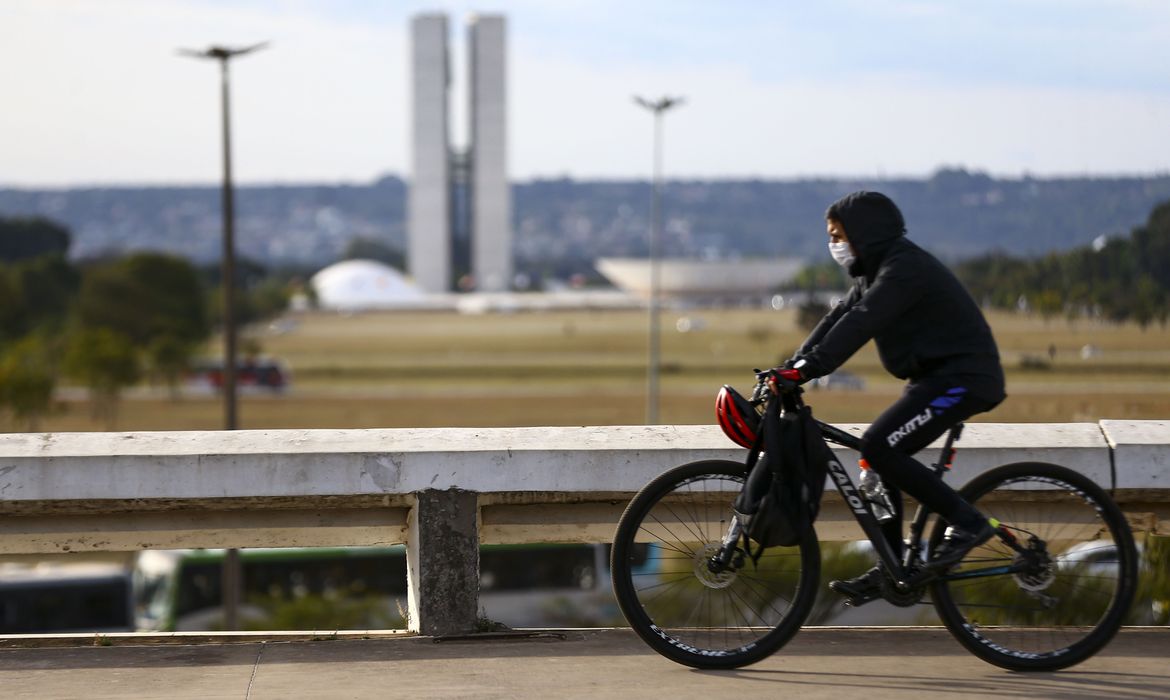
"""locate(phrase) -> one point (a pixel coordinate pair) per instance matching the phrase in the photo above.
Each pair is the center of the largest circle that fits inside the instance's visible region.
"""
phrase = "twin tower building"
(465, 191)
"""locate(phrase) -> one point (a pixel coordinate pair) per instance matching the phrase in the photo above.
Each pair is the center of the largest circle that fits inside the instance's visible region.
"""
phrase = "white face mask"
(842, 254)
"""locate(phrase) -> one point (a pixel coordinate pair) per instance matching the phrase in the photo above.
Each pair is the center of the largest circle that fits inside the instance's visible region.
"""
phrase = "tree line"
(1119, 279)
(562, 225)
(1126, 278)
(106, 323)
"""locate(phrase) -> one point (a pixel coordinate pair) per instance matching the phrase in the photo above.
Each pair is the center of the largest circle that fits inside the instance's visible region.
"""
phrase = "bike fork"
(723, 557)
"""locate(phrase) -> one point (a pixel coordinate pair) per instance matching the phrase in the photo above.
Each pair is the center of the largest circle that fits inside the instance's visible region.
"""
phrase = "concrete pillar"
(442, 562)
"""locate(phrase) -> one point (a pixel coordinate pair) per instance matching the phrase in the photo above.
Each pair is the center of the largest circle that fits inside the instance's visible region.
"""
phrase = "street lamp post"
(232, 581)
(657, 107)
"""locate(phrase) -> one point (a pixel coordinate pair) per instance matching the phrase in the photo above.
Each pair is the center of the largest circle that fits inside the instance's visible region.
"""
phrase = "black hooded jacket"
(922, 319)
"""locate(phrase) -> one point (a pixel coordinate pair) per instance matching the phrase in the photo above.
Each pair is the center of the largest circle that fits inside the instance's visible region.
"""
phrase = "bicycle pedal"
(858, 602)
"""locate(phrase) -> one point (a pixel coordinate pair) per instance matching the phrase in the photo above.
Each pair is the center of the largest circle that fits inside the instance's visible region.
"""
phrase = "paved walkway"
(819, 663)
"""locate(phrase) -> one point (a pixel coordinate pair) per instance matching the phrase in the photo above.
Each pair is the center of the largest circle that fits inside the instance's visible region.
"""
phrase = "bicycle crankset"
(903, 598)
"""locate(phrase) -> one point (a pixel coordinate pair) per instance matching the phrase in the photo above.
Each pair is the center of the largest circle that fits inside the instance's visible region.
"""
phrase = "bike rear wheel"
(1071, 589)
(672, 599)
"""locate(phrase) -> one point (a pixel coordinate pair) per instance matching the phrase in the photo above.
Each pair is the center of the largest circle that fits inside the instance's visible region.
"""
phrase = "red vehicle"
(261, 373)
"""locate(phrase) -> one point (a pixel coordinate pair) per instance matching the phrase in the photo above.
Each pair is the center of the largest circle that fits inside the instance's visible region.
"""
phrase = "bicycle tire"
(1063, 610)
(676, 605)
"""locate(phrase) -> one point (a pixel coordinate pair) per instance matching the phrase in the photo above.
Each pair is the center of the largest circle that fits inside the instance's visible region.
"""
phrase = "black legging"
(926, 410)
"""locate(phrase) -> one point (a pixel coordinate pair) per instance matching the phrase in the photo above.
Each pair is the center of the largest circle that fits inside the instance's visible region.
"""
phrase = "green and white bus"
(365, 587)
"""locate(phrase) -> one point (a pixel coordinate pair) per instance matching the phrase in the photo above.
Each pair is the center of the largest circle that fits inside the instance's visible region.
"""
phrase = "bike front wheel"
(1063, 597)
(672, 598)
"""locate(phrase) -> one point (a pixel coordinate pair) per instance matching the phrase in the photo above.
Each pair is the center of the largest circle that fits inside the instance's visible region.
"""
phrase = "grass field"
(436, 369)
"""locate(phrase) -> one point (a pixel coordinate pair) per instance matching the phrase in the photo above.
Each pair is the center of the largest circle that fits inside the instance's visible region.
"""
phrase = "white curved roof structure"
(701, 278)
(353, 285)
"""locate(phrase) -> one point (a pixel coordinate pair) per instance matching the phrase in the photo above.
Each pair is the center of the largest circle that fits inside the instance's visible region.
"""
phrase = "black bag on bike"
(782, 493)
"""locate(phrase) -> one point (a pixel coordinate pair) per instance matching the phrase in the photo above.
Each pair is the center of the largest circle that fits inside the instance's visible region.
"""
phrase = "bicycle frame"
(905, 572)
(844, 484)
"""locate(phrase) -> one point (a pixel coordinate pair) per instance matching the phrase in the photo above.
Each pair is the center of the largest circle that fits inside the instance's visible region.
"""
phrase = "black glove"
(809, 370)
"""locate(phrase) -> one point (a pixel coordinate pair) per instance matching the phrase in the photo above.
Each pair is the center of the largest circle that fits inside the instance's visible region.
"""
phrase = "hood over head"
(871, 221)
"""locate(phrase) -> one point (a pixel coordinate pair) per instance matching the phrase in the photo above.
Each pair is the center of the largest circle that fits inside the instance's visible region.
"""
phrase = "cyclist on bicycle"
(929, 331)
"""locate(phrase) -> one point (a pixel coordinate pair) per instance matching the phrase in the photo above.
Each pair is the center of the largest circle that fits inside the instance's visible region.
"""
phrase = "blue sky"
(96, 95)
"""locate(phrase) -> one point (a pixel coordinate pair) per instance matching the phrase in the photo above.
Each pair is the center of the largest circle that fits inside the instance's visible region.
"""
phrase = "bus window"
(65, 601)
(537, 567)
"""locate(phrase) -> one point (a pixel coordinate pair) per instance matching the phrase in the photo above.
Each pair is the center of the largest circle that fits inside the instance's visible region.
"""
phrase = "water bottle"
(875, 492)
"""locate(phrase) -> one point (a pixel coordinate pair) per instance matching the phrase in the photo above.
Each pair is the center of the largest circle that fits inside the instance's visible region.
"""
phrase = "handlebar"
(783, 381)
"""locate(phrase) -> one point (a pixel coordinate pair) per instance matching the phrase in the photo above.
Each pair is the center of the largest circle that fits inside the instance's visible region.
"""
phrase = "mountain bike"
(1038, 596)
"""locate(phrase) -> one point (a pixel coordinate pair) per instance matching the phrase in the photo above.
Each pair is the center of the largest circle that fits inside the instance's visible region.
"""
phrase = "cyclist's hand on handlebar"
(781, 377)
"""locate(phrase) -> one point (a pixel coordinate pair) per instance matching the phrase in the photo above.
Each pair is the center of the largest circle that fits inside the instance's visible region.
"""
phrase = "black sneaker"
(861, 589)
(957, 543)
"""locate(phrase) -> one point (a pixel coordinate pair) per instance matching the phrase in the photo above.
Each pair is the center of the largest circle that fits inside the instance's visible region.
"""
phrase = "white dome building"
(355, 285)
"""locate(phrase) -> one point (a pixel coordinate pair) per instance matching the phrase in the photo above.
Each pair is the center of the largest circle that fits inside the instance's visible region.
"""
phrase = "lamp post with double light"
(657, 108)
(232, 582)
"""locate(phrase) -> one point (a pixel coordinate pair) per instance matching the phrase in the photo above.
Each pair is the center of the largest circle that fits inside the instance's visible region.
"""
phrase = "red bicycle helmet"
(737, 416)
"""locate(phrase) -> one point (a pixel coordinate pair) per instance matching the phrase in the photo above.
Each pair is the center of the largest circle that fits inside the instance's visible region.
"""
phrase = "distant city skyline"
(96, 95)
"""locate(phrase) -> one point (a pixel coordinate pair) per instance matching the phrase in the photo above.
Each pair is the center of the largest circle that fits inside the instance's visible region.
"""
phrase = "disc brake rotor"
(709, 578)
(1038, 572)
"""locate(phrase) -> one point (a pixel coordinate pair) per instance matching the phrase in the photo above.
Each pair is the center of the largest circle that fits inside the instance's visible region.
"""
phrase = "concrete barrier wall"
(125, 491)
(1141, 452)
(300, 464)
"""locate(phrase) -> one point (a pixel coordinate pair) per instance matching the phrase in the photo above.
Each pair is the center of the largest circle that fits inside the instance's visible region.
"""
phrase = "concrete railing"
(443, 492)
